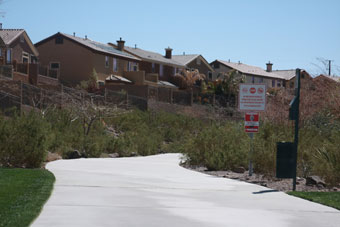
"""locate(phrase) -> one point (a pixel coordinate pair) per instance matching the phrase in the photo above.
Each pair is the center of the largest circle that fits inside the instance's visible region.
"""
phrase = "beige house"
(195, 61)
(253, 74)
(76, 57)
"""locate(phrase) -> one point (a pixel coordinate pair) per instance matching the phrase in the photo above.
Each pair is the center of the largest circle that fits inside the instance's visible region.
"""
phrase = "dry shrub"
(187, 79)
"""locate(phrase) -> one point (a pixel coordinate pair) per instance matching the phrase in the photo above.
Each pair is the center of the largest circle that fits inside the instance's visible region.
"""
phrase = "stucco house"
(76, 57)
(195, 61)
(253, 74)
(155, 65)
(17, 47)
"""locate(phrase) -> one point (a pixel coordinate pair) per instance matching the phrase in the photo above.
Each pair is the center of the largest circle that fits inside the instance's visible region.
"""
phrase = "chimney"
(85, 37)
(135, 46)
(269, 67)
(183, 53)
(168, 52)
(120, 44)
(0, 26)
(74, 34)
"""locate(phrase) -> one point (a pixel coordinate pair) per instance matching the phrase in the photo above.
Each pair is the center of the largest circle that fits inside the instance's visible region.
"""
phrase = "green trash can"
(285, 160)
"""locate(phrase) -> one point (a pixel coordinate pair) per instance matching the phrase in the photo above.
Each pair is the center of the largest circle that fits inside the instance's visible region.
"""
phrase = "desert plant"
(24, 141)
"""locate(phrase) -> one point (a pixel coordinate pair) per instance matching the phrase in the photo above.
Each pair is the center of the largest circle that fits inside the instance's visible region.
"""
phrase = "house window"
(291, 84)
(25, 57)
(253, 79)
(198, 61)
(135, 66)
(210, 75)
(278, 83)
(0, 52)
(153, 68)
(273, 83)
(129, 66)
(261, 80)
(216, 65)
(59, 40)
(175, 70)
(106, 62)
(9, 56)
(161, 70)
(115, 65)
(54, 65)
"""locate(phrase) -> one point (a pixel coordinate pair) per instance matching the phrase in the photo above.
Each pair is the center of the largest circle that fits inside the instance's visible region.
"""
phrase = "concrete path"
(156, 191)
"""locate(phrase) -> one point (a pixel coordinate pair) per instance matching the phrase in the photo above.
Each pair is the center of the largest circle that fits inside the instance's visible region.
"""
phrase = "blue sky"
(289, 33)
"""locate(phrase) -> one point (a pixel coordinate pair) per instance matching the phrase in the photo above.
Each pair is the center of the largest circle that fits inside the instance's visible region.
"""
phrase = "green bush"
(24, 141)
(218, 147)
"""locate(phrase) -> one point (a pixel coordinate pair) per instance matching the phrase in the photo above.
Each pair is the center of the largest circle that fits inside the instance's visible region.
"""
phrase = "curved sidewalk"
(156, 191)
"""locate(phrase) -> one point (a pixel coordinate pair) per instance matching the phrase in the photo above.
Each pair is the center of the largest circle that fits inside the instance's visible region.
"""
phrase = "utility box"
(285, 160)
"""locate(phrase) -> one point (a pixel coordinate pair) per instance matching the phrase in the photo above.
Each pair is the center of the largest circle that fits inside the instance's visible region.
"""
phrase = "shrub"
(24, 141)
(218, 147)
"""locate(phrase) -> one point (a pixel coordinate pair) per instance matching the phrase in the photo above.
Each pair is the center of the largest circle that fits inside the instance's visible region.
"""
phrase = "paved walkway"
(156, 191)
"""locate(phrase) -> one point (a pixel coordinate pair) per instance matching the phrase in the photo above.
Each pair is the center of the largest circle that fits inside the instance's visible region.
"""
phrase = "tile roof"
(249, 69)
(101, 47)
(9, 35)
(185, 59)
(166, 83)
(287, 74)
(334, 78)
(152, 56)
(118, 78)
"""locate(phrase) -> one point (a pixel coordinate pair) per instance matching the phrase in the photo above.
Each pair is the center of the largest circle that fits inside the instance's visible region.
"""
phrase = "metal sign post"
(295, 116)
(251, 135)
(252, 99)
(251, 126)
(286, 159)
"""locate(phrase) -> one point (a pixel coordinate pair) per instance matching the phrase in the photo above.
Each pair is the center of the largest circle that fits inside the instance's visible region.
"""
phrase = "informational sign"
(251, 123)
(252, 97)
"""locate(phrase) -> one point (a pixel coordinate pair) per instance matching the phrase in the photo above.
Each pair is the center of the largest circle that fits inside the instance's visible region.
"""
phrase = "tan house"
(195, 61)
(253, 74)
(17, 48)
(290, 77)
(75, 58)
(155, 64)
(19, 59)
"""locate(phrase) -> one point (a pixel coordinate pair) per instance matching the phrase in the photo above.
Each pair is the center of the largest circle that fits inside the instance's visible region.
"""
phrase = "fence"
(17, 93)
(169, 95)
(215, 100)
(6, 71)
(8, 101)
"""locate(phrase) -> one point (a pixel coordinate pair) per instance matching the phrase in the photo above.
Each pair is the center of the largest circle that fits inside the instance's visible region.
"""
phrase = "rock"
(72, 154)
(239, 169)
(52, 157)
(315, 180)
(113, 155)
(133, 154)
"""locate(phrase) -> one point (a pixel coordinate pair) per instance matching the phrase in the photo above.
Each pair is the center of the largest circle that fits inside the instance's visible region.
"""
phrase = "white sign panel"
(252, 97)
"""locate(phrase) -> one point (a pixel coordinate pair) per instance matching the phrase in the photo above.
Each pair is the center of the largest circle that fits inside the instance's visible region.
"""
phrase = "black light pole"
(296, 117)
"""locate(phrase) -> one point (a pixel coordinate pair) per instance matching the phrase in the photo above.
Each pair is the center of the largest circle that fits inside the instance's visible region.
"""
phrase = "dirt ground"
(270, 182)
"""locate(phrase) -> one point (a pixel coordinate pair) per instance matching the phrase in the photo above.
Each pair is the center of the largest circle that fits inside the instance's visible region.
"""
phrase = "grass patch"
(331, 199)
(23, 193)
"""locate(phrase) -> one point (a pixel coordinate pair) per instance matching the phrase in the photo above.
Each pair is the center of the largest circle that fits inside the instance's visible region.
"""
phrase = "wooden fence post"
(171, 95)
(105, 94)
(21, 98)
(191, 97)
(62, 96)
(127, 98)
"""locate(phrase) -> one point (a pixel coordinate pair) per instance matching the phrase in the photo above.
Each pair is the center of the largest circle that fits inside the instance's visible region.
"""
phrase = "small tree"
(187, 79)
(91, 84)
